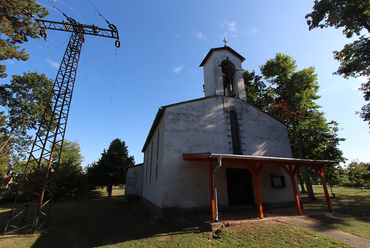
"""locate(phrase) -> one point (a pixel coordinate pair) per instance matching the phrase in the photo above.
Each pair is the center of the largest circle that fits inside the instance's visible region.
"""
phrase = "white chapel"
(218, 151)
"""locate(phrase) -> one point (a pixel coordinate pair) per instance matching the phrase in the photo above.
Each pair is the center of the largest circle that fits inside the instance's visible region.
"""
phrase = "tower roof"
(221, 48)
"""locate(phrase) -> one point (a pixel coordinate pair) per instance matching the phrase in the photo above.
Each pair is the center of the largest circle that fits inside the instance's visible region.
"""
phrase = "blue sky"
(118, 91)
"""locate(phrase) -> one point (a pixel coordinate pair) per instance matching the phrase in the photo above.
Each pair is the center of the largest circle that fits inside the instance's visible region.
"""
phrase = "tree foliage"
(354, 17)
(257, 92)
(355, 174)
(111, 168)
(294, 103)
(292, 94)
(66, 180)
(358, 174)
(17, 24)
(24, 99)
(70, 176)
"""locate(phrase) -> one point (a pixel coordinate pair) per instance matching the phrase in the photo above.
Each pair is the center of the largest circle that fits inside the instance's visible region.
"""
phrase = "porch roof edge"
(209, 156)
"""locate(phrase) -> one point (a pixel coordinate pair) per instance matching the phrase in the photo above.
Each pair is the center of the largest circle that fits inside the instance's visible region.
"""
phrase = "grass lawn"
(351, 209)
(97, 221)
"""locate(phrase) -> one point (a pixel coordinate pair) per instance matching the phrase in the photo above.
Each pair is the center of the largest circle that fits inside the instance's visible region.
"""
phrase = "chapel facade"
(223, 123)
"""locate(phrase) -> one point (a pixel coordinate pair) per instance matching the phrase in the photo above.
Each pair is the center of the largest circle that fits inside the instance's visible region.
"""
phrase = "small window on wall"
(278, 181)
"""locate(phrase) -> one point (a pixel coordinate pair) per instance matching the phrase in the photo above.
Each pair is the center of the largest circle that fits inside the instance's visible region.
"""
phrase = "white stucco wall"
(213, 81)
(134, 181)
(153, 167)
(203, 126)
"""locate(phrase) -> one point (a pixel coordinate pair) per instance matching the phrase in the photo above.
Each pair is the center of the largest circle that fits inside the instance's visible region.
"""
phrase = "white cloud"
(329, 89)
(178, 69)
(358, 82)
(177, 35)
(230, 25)
(52, 63)
(355, 86)
(251, 31)
(200, 35)
(362, 80)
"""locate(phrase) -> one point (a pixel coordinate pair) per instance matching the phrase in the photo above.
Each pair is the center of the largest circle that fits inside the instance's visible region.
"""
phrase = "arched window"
(235, 138)
(228, 72)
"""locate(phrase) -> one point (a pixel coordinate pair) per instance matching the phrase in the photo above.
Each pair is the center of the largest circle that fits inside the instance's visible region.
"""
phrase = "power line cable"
(55, 7)
(52, 3)
(51, 55)
(49, 7)
(99, 12)
(59, 45)
(111, 97)
(72, 10)
(88, 91)
(107, 48)
(79, 127)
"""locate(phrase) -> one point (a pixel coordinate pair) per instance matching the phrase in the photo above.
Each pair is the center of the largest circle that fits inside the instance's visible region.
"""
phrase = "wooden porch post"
(291, 172)
(258, 194)
(255, 172)
(212, 195)
(320, 171)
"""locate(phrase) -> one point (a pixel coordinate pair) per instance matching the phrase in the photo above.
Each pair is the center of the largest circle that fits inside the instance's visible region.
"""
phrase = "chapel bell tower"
(223, 75)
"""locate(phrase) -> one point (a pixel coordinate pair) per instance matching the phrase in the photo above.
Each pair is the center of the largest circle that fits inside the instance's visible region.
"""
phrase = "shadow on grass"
(353, 202)
(101, 221)
(351, 210)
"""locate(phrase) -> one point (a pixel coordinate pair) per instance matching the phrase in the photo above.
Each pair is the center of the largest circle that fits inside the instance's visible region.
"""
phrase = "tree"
(66, 180)
(257, 92)
(353, 16)
(16, 22)
(24, 99)
(294, 104)
(111, 168)
(297, 90)
(70, 177)
(359, 174)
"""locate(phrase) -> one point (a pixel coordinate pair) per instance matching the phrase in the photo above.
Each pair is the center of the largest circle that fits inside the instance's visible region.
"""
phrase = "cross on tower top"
(225, 41)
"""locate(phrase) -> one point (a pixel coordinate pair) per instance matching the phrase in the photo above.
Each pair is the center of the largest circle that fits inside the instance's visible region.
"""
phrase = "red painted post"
(212, 196)
(330, 207)
(258, 193)
(295, 192)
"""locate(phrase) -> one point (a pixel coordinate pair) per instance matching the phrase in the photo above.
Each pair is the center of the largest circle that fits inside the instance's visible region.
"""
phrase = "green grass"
(97, 221)
(351, 209)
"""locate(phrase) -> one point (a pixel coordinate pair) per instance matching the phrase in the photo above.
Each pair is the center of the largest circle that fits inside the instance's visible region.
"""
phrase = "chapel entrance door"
(239, 187)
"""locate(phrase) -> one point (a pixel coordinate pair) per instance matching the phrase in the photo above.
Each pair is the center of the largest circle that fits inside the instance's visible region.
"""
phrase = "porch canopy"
(255, 165)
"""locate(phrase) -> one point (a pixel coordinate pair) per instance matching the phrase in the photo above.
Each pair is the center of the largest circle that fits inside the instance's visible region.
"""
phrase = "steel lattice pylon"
(35, 192)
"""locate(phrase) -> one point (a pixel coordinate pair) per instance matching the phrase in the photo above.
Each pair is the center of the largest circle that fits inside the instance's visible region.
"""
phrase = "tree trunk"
(311, 196)
(109, 190)
(331, 189)
(300, 179)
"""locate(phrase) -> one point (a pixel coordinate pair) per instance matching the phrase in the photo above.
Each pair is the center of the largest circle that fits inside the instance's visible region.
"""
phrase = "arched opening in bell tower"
(228, 74)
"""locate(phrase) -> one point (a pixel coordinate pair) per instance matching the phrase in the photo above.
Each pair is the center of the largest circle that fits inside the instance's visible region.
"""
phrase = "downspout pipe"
(219, 158)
